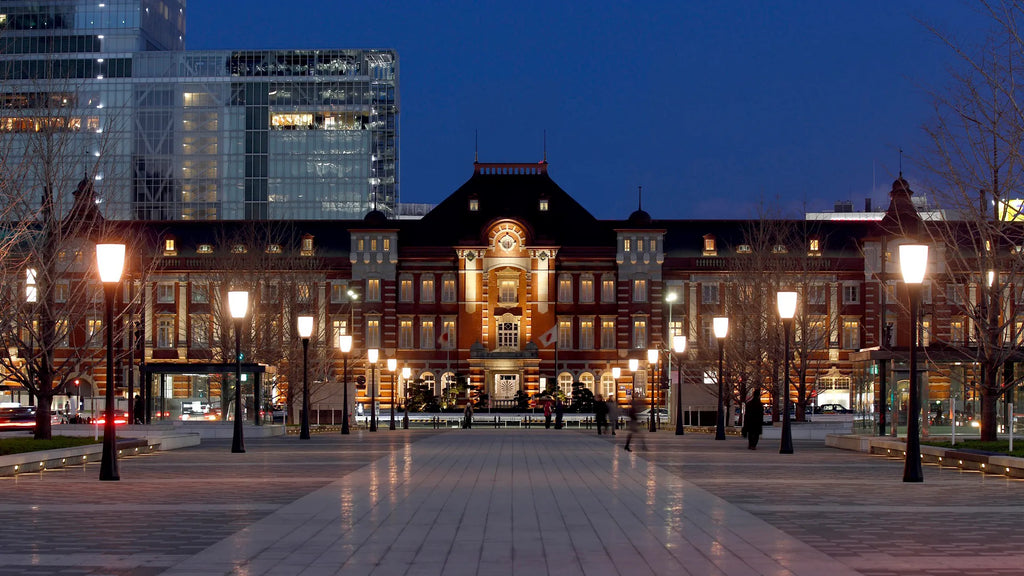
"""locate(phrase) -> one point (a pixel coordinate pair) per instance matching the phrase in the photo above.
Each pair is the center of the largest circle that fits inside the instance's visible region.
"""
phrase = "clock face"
(507, 242)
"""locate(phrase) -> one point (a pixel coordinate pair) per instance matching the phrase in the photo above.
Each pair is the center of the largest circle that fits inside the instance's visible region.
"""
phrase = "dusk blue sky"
(714, 107)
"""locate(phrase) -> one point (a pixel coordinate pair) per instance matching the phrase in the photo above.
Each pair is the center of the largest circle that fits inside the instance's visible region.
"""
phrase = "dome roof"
(639, 218)
(375, 218)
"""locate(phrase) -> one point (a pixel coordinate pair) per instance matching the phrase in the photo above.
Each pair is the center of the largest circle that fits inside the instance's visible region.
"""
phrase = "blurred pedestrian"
(138, 411)
(613, 412)
(635, 407)
(559, 411)
(600, 413)
(467, 414)
(547, 413)
(753, 422)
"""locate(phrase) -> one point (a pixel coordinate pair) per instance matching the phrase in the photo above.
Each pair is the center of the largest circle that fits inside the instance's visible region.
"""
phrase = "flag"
(442, 341)
(549, 337)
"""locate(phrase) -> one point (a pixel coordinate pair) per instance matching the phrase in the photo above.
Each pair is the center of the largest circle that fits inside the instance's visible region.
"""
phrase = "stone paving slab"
(508, 502)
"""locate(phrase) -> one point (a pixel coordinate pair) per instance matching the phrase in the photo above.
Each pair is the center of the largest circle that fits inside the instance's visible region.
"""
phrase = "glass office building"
(170, 134)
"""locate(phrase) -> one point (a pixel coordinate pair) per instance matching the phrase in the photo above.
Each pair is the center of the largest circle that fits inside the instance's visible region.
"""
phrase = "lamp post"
(652, 362)
(406, 373)
(721, 326)
(305, 331)
(671, 297)
(392, 366)
(345, 343)
(679, 347)
(616, 373)
(787, 310)
(110, 260)
(238, 304)
(913, 261)
(371, 357)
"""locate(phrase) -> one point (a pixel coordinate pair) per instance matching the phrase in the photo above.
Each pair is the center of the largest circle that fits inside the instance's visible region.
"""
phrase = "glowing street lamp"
(305, 328)
(238, 306)
(652, 360)
(913, 262)
(786, 302)
(721, 327)
(679, 347)
(110, 260)
(345, 343)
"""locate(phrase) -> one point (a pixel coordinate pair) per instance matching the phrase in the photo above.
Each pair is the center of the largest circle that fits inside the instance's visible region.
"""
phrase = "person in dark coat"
(547, 413)
(600, 413)
(753, 422)
(559, 411)
(467, 413)
(138, 411)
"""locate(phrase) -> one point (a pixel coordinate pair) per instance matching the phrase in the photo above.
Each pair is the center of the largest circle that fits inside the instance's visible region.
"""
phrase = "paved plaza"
(529, 502)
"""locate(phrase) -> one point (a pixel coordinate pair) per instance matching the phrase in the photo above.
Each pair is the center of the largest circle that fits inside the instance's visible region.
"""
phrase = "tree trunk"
(989, 396)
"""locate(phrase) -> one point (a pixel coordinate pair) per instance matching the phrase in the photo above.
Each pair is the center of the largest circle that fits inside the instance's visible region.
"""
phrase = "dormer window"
(709, 246)
(170, 247)
(307, 245)
(474, 204)
(780, 249)
(743, 249)
(274, 249)
(239, 249)
(814, 247)
(543, 206)
(204, 249)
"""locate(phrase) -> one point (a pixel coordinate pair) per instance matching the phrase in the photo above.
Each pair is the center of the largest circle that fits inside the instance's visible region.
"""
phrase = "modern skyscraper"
(170, 134)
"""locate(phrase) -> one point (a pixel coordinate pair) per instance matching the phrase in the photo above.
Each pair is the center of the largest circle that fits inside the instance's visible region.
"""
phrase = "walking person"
(613, 412)
(634, 422)
(753, 422)
(547, 414)
(467, 413)
(138, 409)
(600, 413)
(559, 411)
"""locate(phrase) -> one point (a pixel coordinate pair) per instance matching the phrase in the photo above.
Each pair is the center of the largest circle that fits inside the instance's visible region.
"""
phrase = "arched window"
(607, 385)
(587, 380)
(447, 381)
(565, 383)
(429, 382)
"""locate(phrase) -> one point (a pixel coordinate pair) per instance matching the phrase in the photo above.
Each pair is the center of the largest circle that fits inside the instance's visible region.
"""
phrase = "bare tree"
(975, 170)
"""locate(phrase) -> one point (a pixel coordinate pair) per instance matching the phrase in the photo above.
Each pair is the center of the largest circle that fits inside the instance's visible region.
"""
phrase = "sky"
(718, 109)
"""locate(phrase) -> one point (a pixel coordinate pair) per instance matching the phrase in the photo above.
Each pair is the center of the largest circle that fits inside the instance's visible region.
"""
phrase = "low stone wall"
(943, 457)
(13, 464)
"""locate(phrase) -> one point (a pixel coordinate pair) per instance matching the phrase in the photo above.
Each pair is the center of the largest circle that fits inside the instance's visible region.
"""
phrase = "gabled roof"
(509, 191)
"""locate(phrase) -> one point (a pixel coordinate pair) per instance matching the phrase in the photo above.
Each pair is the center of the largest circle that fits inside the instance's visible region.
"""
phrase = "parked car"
(18, 418)
(120, 417)
(832, 409)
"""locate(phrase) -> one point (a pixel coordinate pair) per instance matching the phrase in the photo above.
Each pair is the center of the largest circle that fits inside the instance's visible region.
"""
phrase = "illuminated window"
(448, 289)
(565, 288)
(447, 338)
(607, 385)
(339, 327)
(586, 334)
(373, 332)
(427, 289)
(543, 205)
(373, 289)
(204, 249)
(474, 204)
(586, 289)
(31, 293)
(307, 245)
(274, 249)
(607, 334)
(564, 334)
(239, 249)
(508, 291)
(639, 333)
(303, 293)
(427, 334)
(709, 246)
(743, 249)
(93, 328)
(387, 244)
(169, 248)
(405, 290)
(508, 334)
(780, 249)
(607, 289)
(625, 245)
(653, 245)
(339, 292)
(405, 333)
(373, 244)
(851, 334)
(815, 245)
(361, 244)
(956, 331)
(640, 290)
(291, 121)
(565, 382)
